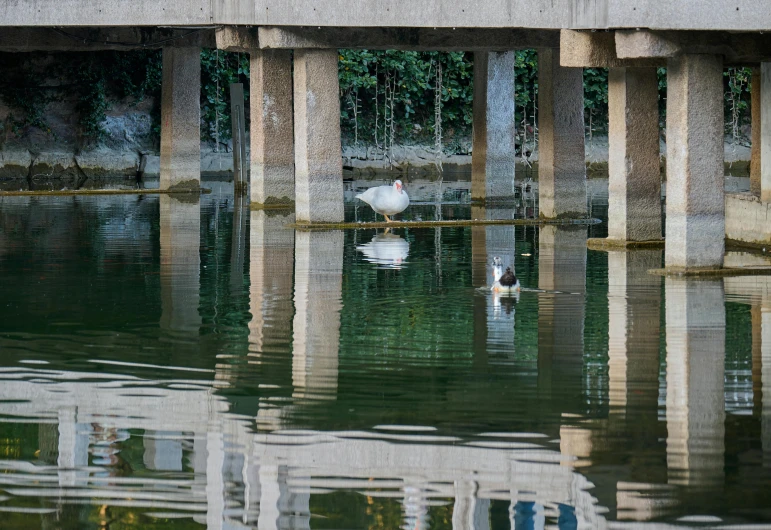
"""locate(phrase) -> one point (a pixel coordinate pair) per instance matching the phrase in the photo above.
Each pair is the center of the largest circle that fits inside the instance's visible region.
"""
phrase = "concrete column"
(695, 320)
(765, 132)
(163, 450)
(180, 222)
(272, 130)
(561, 159)
(634, 309)
(493, 154)
(181, 118)
(562, 274)
(756, 133)
(318, 155)
(318, 302)
(634, 188)
(695, 226)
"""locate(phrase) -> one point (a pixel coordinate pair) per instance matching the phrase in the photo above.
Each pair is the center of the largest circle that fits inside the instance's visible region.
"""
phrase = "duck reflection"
(386, 249)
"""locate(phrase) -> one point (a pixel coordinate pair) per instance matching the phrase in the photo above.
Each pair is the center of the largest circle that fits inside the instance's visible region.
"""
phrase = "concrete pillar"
(163, 450)
(755, 109)
(765, 132)
(272, 130)
(634, 188)
(318, 302)
(318, 155)
(695, 329)
(493, 154)
(695, 225)
(634, 310)
(561, 159)
(180, 223)
(181, 118)
(562, 274)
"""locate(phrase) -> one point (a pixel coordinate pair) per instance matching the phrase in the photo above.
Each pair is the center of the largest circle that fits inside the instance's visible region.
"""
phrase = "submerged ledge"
(713, 273)
(181, 191)
(433, 224)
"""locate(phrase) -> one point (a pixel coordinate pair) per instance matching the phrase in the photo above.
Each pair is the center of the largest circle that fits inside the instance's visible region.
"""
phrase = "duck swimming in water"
(386, 200)
(503, 282)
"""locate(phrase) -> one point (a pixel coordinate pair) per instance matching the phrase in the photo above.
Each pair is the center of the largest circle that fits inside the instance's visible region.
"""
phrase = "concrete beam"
(441, 39)
(237, 39)
(596, 49)
(97, 39)
(734, 47)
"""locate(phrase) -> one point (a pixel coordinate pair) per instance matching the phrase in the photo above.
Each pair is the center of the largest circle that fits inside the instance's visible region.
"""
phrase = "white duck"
(386, 200)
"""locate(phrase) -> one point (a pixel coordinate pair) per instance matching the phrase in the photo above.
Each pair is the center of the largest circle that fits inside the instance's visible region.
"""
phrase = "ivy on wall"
(386, 97)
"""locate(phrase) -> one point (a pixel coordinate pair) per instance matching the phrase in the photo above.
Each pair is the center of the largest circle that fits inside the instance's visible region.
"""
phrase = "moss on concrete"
(434, 224)
(621, 244)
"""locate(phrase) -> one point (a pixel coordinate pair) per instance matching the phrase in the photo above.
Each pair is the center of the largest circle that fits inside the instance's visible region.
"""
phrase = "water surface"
(170, 364)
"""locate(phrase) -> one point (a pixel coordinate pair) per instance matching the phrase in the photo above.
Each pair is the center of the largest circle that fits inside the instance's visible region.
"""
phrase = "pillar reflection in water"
(634, 310)
(180, 223)
(494, 314)
(695, 319)
(469, 511)
(765, 374)
(318, 302)
(562, 274)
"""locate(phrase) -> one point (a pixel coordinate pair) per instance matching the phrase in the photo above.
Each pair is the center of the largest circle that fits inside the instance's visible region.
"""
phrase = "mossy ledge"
(597, 243)
(722, 272)
(435, 224)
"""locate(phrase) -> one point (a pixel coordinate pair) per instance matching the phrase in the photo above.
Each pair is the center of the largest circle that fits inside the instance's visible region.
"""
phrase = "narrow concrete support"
(765, 132)
(318, 156)
(561, 165)
(755, 108)
(318, 301)
(180, 223)
(634, 188)
(493, 157)
(695, 328)
(634, 309)
(181, 118)
(695, 226)
(272, 130)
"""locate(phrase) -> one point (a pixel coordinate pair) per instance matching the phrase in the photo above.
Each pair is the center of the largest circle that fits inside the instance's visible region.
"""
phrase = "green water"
(194, 365)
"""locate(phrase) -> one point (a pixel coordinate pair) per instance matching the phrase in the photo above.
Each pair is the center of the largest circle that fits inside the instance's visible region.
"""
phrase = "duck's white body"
(386, 200)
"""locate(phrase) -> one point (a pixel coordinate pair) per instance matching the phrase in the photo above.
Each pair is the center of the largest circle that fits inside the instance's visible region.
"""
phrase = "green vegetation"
(387, 97)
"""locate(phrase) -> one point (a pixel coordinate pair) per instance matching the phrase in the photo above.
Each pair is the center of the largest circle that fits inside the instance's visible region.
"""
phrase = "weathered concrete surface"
(318, 161)
(16, 39)
(734, 47)
(695, 330)
(746, 219)
(426, 39)
(272, 131)
(596, 49)
(765, 131)
(634, 200)
(747, 15)
(755, 108)
(181, 118)
(562, 173)
(695, 225)
(237, 39)
(493, 154)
